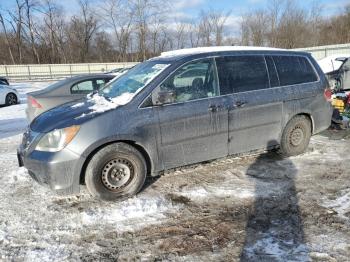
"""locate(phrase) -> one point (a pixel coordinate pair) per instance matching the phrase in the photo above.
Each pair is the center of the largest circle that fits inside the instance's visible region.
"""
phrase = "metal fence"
(319, 52)
(56, 71)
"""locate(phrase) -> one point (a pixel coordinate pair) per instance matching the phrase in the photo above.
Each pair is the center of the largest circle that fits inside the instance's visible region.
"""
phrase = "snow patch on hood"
(102, 104)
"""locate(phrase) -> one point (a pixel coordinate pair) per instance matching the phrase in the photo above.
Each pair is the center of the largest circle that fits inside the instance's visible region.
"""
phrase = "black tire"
(296, 136)
(11, 99)
(116, 172)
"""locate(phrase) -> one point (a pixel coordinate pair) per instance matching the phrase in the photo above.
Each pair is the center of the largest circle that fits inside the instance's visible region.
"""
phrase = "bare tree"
(81, 31)
(52, 30)
(29, 5)
(16, 23)
(7, 38)
(254, 26)
(144, 11)
(180, 34)
(217, 21)
(117, 14)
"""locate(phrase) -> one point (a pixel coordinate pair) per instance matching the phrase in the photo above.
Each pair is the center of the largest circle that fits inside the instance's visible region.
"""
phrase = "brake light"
(34, 102)
(328, 94)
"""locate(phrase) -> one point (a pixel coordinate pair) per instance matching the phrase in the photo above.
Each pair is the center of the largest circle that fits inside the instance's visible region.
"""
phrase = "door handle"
(239, 104)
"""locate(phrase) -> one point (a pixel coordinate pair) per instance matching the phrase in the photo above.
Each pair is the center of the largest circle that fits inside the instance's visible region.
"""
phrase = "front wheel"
(11, 99)
(116, 172)
(296, 136)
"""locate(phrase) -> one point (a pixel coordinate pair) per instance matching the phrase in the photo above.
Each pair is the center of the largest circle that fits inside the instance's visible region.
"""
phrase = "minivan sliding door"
(254, 113)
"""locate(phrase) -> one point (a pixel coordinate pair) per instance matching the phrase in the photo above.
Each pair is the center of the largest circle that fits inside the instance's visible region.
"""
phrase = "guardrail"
(319, 52)
(56, 71)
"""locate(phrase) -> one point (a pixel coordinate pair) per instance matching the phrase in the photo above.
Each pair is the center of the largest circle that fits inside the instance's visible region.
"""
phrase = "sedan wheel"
(11, 99)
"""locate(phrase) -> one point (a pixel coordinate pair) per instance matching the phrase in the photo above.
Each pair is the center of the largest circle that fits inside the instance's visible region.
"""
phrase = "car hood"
(72, 113)
(78, 112)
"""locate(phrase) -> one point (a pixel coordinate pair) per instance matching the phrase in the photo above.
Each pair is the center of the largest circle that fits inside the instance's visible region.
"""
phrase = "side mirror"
(165, 97)
(346, 68)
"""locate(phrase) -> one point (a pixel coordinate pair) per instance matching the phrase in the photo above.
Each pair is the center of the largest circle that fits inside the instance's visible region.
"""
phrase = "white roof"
(329, 63)
(198, 50)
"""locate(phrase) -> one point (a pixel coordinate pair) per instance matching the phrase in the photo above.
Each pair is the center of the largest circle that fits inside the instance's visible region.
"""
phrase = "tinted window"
(192, 81)
(241, 74)
(274, 81)
(294, 70)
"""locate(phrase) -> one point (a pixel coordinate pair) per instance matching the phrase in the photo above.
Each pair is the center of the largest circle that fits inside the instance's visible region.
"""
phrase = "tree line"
(44, 31)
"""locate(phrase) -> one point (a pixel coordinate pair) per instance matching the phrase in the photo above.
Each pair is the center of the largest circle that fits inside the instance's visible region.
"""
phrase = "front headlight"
(57, 139)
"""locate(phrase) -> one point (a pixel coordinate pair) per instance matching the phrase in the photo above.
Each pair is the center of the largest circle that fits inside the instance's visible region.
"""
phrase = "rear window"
(241, 74)
(294, 70)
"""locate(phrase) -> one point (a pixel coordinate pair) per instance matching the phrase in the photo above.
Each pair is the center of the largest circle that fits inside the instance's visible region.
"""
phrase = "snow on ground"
(252, 208)
(341, 204)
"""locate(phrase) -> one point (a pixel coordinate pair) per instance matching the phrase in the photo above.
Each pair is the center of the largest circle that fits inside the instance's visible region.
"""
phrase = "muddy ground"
(257, 207)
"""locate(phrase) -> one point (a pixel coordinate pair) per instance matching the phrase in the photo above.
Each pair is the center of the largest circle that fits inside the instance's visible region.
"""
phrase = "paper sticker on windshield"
(160, 66)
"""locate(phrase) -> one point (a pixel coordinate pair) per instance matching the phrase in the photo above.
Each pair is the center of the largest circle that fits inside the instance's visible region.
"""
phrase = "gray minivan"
(180, 108)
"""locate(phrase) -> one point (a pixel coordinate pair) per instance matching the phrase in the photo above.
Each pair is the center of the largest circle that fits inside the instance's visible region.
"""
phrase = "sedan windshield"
(135, 79)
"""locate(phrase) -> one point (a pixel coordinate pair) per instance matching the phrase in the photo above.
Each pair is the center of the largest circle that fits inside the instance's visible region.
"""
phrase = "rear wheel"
(296, 136)
(116, 172)
(11, 99)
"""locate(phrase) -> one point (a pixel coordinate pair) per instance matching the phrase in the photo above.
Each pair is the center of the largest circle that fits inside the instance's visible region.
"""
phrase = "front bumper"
(60, 171)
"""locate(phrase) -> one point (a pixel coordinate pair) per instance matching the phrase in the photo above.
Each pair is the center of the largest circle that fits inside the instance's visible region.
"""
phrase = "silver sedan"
(64, 91)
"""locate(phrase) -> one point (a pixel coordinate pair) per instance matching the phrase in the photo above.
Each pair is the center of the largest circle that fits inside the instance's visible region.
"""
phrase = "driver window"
(193, 81)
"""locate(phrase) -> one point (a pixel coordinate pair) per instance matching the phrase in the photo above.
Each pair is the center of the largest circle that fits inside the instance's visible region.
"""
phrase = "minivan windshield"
(135, 79)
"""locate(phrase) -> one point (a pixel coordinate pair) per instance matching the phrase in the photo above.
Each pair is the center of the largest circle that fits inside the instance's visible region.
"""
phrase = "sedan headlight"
(57, 139)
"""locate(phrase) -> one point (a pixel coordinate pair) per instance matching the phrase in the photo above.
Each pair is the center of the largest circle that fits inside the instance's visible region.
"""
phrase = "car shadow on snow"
(274, 230)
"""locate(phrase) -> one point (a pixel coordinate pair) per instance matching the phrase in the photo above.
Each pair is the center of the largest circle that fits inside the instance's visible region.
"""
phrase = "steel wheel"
(117, 174)
(296, 136)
